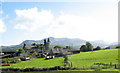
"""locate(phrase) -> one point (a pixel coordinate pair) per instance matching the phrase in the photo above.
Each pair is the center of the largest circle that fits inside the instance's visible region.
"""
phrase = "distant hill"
(75, 43)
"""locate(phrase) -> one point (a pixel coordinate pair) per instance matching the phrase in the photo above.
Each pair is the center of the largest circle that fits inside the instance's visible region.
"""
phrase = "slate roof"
(60, 50)
(57, 50)
(28, 47)
(23, 54)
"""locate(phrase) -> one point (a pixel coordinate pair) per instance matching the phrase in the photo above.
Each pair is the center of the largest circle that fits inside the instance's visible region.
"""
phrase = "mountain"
(59, 41)
(100, 43)
(75, 43)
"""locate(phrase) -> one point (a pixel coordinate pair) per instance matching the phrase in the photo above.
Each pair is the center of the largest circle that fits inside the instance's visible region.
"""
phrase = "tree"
(89, 46)
(34, 44)
(66, 61)
(97, 48)
(24, 46)
(46, 44)
(58, 46)
(42, 48)
(37, 46)
(68, 47)
(107, 47)
(20, 50)
(44, 41)
(48, 40)
(117, 46)
(83, 48)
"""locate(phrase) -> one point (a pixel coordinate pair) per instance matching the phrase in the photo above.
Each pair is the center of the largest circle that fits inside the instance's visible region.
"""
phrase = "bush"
(97, 48)
(98, 69)
(23, 58)
(10, 60)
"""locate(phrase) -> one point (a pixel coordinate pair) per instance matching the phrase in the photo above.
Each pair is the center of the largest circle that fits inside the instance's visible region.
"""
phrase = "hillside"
(75, 43)
(83, 59)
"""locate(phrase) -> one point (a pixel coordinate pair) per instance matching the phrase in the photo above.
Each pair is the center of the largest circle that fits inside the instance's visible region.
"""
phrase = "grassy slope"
(85, 59)
(88, 58)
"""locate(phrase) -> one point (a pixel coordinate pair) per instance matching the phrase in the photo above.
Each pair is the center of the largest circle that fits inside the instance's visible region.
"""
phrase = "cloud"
(1, 12)
(99, 25)
(93, 26)
(32, 19)
(2, 26)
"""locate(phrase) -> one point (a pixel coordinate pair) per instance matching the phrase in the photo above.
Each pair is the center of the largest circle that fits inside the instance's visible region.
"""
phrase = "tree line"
(89, 47)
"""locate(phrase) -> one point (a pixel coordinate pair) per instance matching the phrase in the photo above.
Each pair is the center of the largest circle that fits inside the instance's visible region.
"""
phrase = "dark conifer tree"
(24, 46)
(48, 40)
(44, 41)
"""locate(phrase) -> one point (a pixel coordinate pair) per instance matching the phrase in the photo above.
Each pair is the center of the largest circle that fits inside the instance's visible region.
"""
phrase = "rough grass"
(83, 59)
(86, 59)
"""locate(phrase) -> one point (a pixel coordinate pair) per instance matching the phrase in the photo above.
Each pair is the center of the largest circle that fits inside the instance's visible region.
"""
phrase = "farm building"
(29, 47)
(40, 53)
(23, 54)
(8, 54)
(57, 52)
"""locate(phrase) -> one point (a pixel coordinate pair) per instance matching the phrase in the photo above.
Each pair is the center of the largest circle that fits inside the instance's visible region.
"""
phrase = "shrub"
(10, 60)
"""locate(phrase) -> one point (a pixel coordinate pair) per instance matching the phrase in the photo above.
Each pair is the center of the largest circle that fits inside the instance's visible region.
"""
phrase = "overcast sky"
(95, 20)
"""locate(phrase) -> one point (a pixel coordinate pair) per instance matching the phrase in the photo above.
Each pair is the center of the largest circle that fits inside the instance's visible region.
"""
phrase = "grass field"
(83, 59)
(88, 58)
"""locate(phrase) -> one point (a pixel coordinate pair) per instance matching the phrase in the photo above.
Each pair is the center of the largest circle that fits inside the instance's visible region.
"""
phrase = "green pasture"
(81, 60)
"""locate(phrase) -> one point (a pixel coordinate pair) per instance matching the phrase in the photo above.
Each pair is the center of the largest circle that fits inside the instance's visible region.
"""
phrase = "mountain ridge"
(74, 42)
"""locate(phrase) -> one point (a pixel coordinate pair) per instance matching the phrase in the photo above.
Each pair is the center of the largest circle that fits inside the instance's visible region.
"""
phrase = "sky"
(95, 20)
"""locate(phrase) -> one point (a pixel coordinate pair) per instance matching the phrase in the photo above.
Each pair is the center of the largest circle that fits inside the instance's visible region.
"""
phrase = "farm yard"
(84, 60)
